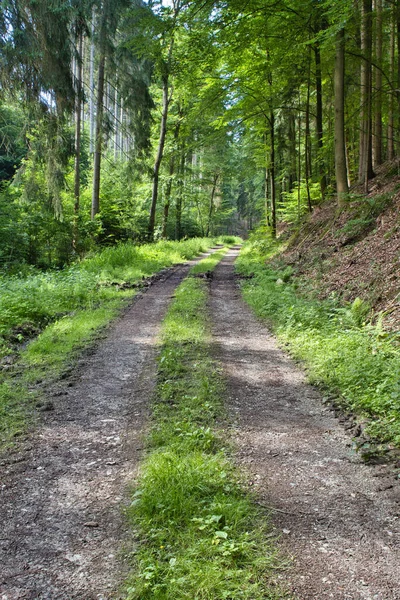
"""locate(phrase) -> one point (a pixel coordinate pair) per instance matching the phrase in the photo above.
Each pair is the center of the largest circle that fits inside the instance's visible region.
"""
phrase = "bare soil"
(333, 257)
(63, 490)
(336, 517)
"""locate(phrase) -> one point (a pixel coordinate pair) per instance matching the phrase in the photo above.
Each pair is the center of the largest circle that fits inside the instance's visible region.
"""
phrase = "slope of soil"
(337, 517)
(356, 252)
(62, 492)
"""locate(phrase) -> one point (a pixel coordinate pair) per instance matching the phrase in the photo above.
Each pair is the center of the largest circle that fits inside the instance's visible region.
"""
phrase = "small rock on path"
(335, 516)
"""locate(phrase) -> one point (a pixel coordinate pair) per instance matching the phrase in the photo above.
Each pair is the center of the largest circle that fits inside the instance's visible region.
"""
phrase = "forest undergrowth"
(199, 535)
(355, 362)
(48, 318)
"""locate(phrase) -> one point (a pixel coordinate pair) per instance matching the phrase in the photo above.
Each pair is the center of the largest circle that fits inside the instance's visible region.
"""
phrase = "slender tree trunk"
(78, 133)
(211, 209)
(272, 173)
(292, 149)
(365, 171)
(299, 166)
(99, 136)
(267, 210)
(91, 87)
(397, 87)
(340, 148)
(390, 149)
(167, 201)
(307, 153)
(116, 123)
(78, 130)
(378, 86)
(159, 157)
(179, 198)
(319, 119)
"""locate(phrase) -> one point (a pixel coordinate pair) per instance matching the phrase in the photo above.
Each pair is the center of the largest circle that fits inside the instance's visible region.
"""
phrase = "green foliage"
(342, 351)
(12, 146)
(295, 203)
(69, 307)
(200, 535)
(364, 213)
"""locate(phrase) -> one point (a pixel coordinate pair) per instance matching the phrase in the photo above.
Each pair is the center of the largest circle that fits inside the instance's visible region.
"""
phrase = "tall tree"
(365, 170)
(342, 187)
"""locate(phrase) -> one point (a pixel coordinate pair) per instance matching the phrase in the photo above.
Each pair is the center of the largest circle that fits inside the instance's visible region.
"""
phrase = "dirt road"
(337, 517)
(62, 492)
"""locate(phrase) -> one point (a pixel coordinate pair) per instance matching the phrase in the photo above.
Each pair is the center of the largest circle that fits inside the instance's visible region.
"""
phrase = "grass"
(28, 304)
(63, 311)
(199, 535)
(346, 355)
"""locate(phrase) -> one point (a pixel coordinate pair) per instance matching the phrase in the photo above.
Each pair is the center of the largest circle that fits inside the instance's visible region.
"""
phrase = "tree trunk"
(307, 154)
(179, 198)
(99, 136)
(211, 210)
(365, 171)
(319, 119)
(78, 130)
(292, 150)
(390, 148)
(159, 157)
(78, 133)
(91, 87)
(378, 87)
(397, 8)
(340, 148)
(272, 173)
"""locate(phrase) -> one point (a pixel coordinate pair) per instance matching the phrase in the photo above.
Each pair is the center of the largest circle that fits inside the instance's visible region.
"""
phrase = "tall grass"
(27, 304)
(63, 311)
(343, 352)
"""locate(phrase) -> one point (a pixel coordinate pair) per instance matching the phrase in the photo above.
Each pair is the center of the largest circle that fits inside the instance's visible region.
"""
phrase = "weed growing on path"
(199, 535)
(359, 363)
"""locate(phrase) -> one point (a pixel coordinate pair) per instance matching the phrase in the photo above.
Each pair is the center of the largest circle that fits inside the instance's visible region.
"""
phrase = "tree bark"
(390, 147)
(340, 148)
(307, 154)
(99, 136)
(365, 171)
(292, 149)
(78, 120)
(319, 119)
(78, 133)
(211, 209)
(272, 173)
(91, 87)
(179, 198)
(159, 157)
(378, 86)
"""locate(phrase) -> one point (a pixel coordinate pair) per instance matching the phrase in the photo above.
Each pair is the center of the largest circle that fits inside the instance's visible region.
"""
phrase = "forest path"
(337, 517)
(61, 492)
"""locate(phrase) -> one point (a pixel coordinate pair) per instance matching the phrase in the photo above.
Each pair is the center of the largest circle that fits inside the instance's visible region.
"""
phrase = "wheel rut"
(337, 518)
(63, 490)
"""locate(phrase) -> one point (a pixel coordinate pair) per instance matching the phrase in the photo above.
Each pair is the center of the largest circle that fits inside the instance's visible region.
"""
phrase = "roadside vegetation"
(199, 535)
(46, 318)
(354, 360)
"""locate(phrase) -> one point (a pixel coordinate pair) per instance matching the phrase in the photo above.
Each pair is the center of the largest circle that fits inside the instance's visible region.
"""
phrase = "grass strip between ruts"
(199, 535)
(71, 307)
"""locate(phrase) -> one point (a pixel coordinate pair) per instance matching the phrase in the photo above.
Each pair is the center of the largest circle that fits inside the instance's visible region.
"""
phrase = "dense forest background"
(133, 120)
